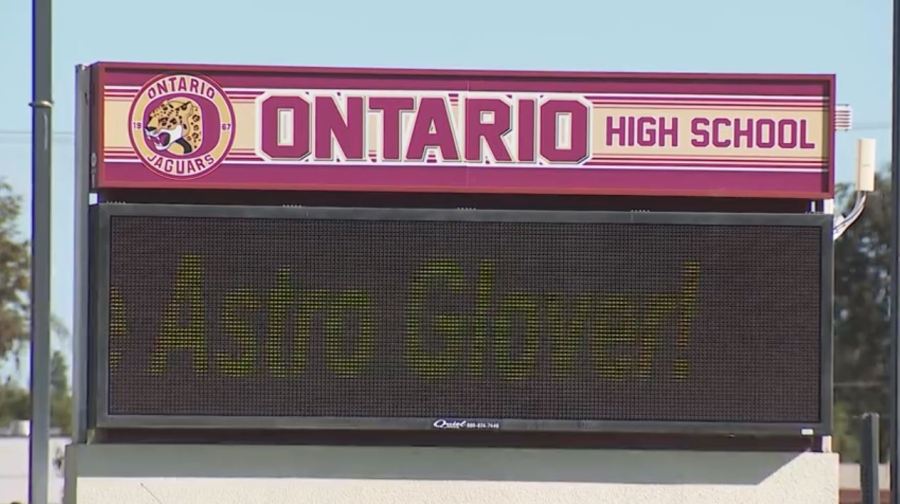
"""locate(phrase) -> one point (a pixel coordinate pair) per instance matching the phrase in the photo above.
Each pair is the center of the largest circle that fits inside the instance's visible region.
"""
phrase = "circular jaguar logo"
(182, 126)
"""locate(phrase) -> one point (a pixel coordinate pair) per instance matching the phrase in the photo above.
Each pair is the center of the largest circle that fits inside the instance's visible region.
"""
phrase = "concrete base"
(216, 474)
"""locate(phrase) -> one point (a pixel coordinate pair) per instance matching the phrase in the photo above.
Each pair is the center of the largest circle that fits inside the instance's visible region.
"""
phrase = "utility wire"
(15, 132)
(861, 384)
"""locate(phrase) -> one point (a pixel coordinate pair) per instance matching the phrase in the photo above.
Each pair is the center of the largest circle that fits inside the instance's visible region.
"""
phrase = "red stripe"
(717, 160)
(128, 154)
(589, 163)
(817, 99)
(713, 158)
(133, 157)
(700, 164)
(680, 162)
(702, 100)
(711, 104)
(718, 104)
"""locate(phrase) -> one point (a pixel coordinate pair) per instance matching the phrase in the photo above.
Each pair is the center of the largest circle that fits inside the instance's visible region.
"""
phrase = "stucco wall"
(104, 474)
(14, 469)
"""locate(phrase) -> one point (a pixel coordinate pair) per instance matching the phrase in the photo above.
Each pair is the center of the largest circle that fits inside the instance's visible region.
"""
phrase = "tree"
(15, 403)
(862, 317)
(60, 396)
(14, 273)
(14, 327)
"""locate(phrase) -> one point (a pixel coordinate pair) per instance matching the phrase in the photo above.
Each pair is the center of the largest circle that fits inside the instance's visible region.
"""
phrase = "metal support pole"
(868, 475)
(81, 200)
(894, 336)
(39, 442)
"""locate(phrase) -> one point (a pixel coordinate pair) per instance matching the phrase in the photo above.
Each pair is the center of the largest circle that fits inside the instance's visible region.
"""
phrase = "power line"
(21, 137)
(861, 384)
(27, 141)
(871, 126)
(14, 132)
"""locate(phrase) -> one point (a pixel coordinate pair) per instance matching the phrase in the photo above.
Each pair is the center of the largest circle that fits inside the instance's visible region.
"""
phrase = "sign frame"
(461, 178)
(98, 368)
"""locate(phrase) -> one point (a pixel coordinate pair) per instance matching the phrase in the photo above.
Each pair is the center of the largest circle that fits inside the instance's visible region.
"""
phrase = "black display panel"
(211, 316)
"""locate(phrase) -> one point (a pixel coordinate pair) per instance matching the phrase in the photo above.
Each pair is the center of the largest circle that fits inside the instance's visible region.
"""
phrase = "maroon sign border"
(104, 73)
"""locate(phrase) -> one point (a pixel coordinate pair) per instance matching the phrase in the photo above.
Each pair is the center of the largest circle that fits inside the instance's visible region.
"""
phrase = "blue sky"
(850, 38)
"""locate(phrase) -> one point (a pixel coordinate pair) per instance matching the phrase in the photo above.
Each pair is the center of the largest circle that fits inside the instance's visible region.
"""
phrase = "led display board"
(347, 318)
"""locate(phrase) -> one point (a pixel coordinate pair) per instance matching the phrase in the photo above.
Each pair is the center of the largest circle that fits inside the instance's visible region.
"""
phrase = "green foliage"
(14, 273)
(60, 396)
(16, 405)
(15, 254)
(14, 323)
(862, 318)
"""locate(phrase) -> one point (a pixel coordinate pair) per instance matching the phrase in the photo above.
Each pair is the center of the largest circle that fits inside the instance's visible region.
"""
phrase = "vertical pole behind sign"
(894, 368)
(869, 459)
(81, 200)
(39, 456)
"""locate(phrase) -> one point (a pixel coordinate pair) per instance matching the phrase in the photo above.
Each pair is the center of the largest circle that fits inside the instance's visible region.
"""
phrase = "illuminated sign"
(448, 320)
(282, 128)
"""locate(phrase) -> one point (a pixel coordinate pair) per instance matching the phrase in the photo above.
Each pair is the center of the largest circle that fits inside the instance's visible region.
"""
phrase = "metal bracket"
(843, 223)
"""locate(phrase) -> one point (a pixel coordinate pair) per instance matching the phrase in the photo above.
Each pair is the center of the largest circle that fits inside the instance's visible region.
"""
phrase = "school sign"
(448, 131)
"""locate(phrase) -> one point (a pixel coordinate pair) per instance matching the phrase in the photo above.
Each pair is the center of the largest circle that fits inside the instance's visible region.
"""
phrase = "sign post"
(41, 104)
(894, 368)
